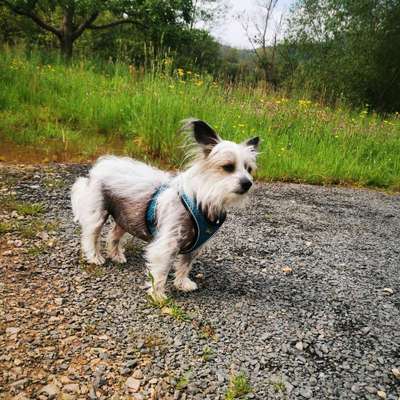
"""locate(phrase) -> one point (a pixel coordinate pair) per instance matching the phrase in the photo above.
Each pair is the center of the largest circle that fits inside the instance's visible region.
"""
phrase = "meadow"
(50, 111)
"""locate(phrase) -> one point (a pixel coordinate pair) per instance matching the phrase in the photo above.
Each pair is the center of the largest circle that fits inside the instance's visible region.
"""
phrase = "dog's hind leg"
(115, 249)
(90, 238)
(183, 266)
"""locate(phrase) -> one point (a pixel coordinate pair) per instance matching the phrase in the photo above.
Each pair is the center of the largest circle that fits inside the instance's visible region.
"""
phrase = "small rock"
(396, 372)
(65, 380)
(381, 394)
(355, 388)
(387, 291)
(21, 396)
(365, 330)
(125, 371)
(18, 243)
(51, 390)
(7, 253)
(287, 270)
(299, 346)
(12, 330)
(132, 384)
(43, 235)
(265, 336)
(84, 389)
(68, 396)
(92, 394)
(306, 393)
(71, 388)
(20, 384)
(59, 301)
(138, 374)
(370, 389)
(130, 363)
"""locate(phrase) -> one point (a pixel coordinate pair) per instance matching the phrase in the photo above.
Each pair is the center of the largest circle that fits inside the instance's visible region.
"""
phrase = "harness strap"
(151, 210)
(203, 227)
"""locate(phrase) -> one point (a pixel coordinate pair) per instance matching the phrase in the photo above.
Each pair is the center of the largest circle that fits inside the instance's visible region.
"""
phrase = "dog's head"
(223, 169)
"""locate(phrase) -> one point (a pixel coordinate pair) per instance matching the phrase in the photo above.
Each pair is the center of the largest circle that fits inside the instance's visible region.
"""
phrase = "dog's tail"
(79, 191)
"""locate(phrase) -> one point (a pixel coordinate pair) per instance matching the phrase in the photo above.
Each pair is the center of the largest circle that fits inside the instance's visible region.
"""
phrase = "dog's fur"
(122, 187)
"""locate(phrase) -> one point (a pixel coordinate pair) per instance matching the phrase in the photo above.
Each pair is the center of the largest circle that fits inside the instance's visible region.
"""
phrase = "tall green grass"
(79, 111)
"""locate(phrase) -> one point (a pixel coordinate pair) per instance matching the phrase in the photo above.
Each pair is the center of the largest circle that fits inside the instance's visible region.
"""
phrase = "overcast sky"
(230, 31)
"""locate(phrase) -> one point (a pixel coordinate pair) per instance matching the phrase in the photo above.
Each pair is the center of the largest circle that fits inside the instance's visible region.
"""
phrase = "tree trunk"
(67, 29)
(66, 47)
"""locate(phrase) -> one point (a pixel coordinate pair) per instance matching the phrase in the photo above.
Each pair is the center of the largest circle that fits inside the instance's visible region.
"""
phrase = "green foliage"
(239, 386)
(80, 111)
(346, 49)
(183, 381)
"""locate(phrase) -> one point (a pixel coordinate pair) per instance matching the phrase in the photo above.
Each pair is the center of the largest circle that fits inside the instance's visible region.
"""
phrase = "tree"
(258, 30)
(69, 19)
(348, 49)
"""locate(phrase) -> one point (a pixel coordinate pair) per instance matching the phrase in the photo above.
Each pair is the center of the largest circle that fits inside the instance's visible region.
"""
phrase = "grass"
(76, 112)
(208, 354)
(239, 386)
(10, 203)
(183, 381)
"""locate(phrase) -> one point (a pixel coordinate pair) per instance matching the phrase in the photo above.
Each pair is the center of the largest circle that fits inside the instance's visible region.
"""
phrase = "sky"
(230, 31)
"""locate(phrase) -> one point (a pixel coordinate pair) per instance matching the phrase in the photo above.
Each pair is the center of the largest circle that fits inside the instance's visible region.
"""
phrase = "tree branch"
(115, 23)
(33, 17)
(85, 25)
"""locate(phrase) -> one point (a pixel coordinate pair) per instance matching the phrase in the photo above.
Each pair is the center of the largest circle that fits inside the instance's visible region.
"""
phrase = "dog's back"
(118, 186)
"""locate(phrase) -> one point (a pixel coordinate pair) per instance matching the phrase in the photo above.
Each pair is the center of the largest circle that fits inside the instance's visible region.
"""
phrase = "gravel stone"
(51, 390)
(291, 287)
(132, 384)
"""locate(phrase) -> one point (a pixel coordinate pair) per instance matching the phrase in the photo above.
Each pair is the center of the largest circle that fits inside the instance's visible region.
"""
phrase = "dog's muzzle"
(245, 185)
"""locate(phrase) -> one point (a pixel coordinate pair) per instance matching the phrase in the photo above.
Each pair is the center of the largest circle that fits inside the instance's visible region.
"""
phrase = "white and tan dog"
(218, 177)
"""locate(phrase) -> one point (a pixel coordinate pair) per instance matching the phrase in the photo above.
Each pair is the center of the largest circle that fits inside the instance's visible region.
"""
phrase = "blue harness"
(204, 228)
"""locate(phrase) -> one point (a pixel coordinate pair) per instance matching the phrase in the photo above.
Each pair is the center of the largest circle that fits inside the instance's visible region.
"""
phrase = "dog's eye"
(249, 169)
(229, 167)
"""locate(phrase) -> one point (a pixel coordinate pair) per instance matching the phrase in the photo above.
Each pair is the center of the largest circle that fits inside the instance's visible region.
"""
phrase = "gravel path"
(300, 292)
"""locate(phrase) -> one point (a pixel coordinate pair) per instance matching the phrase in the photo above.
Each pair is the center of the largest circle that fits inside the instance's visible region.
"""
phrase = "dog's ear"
(253, 142)
(203, 134)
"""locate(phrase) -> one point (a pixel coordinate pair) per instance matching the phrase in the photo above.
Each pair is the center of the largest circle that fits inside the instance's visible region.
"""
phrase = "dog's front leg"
(159, 255)
(182, 267)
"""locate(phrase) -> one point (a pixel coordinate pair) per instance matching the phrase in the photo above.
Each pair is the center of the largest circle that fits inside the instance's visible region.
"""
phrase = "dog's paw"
(98, 259)
(159, 297)
(185, 284)
(118, 258)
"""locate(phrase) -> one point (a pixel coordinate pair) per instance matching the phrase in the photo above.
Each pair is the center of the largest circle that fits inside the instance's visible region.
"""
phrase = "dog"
(175, 213)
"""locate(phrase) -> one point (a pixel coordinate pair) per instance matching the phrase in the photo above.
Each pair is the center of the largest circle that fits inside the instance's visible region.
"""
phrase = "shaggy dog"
(176, 214)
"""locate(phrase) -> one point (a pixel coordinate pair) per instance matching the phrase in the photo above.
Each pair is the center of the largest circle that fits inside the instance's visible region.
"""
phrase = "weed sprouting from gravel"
(10, 203)
(29, 209)
(278, 386)
(54, 183)
(6, 227)
(37, 250)
(177, 312)
(208, 354)
(30, 229)
(239, 386)
(183, 381)
(94, 270)
(170, 307)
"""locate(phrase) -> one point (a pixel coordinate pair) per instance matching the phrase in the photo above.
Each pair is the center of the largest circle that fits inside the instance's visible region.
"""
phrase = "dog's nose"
(245, 184)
